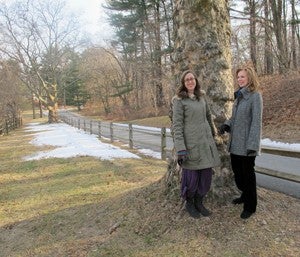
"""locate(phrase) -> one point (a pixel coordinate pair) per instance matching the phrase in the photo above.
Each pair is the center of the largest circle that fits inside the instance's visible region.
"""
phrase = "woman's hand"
(224, 128)
(181, 156)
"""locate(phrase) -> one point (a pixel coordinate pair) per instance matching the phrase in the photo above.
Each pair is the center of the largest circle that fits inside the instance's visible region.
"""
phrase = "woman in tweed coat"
(245, 127)
(193, 133)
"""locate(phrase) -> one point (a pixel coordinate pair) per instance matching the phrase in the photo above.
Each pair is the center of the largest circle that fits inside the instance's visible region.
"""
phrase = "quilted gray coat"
(193, 131)
(245, 123)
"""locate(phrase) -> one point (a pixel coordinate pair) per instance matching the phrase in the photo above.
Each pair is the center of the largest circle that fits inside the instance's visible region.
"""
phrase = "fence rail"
(148, 137)
(281, 152)
(278, 174)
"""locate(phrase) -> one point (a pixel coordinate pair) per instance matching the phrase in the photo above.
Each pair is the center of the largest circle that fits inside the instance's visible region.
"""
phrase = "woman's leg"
(237, 168)
(189, 185)
(250, 192)
(244, 174)
(205, 177)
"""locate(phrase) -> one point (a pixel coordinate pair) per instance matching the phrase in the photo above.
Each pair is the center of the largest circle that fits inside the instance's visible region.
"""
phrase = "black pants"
(244, 175)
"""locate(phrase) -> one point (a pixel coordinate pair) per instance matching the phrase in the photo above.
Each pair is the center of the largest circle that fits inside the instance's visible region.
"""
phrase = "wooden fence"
(9, 124)
(143, 137)
(279, 174)
(135, 136)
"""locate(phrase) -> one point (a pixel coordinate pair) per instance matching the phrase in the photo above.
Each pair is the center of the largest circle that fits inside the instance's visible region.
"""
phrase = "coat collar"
(245, 92)
(192, 96)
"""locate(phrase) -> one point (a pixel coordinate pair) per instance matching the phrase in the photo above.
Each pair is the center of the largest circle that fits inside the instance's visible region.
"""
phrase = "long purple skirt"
(195, 182)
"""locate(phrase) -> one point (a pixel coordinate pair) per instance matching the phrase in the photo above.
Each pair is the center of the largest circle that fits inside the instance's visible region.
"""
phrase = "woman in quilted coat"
(193, 132)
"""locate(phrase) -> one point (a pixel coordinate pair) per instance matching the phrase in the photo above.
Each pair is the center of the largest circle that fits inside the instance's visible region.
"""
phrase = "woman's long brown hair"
(182, 90)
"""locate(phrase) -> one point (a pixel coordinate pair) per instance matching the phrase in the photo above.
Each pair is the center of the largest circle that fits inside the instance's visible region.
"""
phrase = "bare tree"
(10, 97)
(280, 33)
(109, 79)
(293, 37)
(253, 42)
(35, 34)
(268, 54)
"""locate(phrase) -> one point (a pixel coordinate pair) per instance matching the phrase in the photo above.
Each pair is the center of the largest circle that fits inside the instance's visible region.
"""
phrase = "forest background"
(45, 59)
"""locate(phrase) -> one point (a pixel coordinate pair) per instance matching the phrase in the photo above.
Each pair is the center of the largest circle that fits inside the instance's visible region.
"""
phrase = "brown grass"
(87, 207)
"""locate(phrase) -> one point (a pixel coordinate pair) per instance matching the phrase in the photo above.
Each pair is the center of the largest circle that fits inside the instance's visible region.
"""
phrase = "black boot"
(246, 214)
(239, 200)
(190, 207)
(200, 207)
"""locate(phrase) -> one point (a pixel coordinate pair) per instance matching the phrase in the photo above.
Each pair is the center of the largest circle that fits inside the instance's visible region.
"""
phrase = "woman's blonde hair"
(253, 83)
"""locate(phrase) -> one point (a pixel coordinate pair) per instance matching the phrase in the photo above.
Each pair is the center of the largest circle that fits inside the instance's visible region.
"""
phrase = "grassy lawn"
(87, 207)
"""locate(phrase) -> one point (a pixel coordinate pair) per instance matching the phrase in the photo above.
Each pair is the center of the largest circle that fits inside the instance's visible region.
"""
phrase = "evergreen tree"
(74, 92)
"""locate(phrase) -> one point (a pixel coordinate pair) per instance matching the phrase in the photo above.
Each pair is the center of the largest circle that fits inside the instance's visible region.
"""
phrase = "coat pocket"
(194, 153)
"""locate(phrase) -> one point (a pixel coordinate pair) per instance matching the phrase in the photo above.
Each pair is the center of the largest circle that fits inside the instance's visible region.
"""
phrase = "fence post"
(130, 135)
(99, 129)
(91, 126)
(78, 123)
(163, 143)
(84, 125)
(6, 126)
(111, 132)
(15, 122)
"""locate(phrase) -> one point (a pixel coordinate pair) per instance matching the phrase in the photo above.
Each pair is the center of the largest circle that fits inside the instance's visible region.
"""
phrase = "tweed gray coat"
(245, 123)
(193, 131)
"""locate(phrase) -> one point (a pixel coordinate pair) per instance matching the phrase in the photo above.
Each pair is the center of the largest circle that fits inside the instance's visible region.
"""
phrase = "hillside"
(281, 116)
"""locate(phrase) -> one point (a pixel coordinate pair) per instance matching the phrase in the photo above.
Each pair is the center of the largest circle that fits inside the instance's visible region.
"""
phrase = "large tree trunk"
(33, 107)
(160, 101)
(52, 114)
(293, 43)
(52, 104)
(203, 45)
(253, 43)
(268, 55)
(41, 109)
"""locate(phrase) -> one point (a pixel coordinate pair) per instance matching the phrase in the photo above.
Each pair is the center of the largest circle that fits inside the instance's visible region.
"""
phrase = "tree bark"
(293, 39)
(253, 43)
(268, 55)
(160, 101)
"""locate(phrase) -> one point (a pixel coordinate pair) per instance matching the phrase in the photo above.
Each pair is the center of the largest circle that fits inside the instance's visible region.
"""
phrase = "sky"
(93, 18)
(71, 142)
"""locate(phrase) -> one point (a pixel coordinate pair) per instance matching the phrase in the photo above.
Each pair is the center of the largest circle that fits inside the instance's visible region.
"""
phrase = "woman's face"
(242, 78)
(190, 82)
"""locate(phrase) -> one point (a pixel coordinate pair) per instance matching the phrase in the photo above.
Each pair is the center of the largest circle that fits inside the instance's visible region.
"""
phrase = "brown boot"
(190, 207)
(198, 201)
